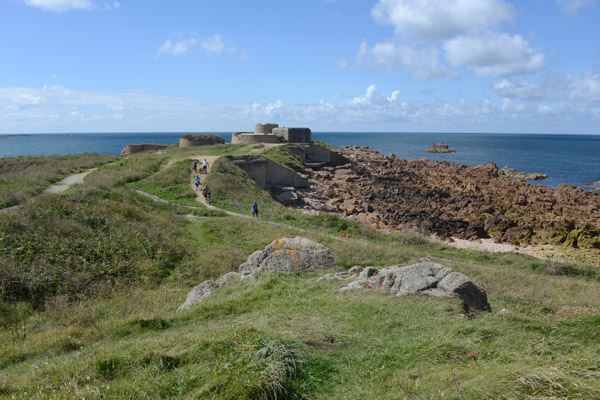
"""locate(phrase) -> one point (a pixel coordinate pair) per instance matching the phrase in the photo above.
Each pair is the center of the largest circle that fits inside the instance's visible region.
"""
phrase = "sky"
(530, 66)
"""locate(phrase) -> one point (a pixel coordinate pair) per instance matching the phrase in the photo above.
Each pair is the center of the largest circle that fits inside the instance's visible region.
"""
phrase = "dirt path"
(60, 187)
(199, 196)
(69, 181)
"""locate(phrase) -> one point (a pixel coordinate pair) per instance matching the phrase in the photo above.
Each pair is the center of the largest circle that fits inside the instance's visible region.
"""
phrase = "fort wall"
(200, 140)
(142, 147)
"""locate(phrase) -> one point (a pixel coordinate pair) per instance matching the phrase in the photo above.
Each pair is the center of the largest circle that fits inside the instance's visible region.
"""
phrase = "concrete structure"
(251, 137)
(272, 133)
(268, 174)
(293, 135)
(142, 147)
(265, 128)
(200, 140)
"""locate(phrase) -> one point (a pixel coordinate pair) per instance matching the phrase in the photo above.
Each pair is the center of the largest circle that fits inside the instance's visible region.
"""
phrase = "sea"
(572, 159)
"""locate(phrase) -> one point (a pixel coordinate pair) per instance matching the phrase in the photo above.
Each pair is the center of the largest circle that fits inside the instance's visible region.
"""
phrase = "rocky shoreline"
(454, 200)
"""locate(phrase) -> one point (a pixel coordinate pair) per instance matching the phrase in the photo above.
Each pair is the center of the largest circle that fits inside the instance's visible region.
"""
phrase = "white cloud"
(421, 64)
(459, 30)
(372, 98)
(213, 45)
(494, 54)
(176, 48)
(395, 95)
(572, 6)
(510, 106)
(435, 20)
(66, 5)
(341, 63)
(58, 109)
(583, 89)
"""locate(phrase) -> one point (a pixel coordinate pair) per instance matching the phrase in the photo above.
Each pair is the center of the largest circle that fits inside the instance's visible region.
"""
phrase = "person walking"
(255, 209)
(195, 165)
(205, 166)
(206, 191)
(197, 182)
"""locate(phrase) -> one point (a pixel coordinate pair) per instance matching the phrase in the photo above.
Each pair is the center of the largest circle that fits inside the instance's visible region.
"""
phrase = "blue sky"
(332, 65)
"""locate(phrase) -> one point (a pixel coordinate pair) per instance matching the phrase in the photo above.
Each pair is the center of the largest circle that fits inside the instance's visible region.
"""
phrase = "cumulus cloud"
(572, 6)
(371, 97)
(342, 63)
(61, 5)
(584, 88)
(436, 20)
(66, 5)
(176, 48)
(58, 109)
(421, 64)
(213, 45)
(494, 54)
(434, 36)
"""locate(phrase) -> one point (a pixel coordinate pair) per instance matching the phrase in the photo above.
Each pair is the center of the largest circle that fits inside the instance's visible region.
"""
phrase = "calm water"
(573, 159)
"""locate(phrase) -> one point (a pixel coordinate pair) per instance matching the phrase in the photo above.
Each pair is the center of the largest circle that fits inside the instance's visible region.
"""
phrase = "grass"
(24, 177)
(90, 281)
(171, 183)
(282, 155)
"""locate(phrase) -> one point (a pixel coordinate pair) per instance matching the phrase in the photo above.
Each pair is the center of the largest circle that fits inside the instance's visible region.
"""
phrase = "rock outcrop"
(453, 200)
(288, 255)
(282, 255)
(529, 176)
(440, 148)
(426, 278)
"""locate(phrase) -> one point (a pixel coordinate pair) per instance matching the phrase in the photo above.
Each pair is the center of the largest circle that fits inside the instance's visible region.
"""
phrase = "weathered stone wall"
(264, 128)
(140, 148)
(249, 137)
(294, 135)
(267, 173)
(200, 140)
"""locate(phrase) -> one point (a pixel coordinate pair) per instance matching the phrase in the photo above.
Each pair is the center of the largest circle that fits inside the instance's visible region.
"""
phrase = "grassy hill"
(90, 281)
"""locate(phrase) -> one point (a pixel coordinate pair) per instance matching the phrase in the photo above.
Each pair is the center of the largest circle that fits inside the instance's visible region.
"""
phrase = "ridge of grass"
(90, 280)
(24, 177)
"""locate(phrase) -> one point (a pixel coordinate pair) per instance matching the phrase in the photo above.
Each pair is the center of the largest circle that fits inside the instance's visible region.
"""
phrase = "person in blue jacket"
(255, 209)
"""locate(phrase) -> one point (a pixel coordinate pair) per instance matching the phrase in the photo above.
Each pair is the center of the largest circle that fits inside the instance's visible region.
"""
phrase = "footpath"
(60, 187)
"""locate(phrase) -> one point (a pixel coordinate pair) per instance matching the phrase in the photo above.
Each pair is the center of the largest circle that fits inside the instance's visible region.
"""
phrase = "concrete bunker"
(272, 133)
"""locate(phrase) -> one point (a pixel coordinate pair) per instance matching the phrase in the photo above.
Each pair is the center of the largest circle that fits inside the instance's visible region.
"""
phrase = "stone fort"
(272, 133)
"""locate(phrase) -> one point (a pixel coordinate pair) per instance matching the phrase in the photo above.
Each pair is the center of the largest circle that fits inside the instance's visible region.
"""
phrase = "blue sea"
(573, 159)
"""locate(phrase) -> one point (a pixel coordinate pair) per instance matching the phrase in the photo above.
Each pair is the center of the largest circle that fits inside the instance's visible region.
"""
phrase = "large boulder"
(283, 255)
(425, 277)
(288, 255)
(206, 288)
(197, 294)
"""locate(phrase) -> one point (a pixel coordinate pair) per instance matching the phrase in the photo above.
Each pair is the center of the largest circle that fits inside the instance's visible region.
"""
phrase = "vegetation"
(90, 280)
(285, 156)
(24, 177)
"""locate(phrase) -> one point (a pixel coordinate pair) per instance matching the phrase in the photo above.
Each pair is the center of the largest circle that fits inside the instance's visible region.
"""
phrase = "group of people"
(204, 166)
(205, 190)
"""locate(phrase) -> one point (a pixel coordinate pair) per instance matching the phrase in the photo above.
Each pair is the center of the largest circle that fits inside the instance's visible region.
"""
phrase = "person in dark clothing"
(255, 209)
(195, 165)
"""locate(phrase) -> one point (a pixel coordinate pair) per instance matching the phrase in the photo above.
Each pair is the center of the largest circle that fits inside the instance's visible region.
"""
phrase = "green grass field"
(90, 281)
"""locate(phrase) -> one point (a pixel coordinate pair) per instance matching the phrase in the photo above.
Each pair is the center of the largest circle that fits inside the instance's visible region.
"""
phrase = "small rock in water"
(440, 148)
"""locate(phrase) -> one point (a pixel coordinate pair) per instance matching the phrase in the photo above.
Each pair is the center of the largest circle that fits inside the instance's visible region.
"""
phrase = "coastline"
(481, 207)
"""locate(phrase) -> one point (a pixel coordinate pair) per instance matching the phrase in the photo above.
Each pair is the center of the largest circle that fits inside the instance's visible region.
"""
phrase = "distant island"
(440, 148)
